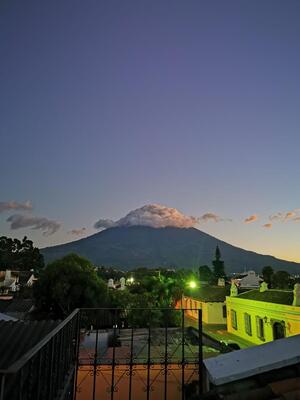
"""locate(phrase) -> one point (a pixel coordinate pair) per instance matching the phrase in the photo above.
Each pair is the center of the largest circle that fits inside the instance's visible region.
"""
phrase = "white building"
(11, 281)
(248, 280)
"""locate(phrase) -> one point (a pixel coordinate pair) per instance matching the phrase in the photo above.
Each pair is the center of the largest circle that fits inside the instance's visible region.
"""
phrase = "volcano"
(142, 246)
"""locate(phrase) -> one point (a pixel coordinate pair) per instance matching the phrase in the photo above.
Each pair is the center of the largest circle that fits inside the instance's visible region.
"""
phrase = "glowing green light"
(192, 284)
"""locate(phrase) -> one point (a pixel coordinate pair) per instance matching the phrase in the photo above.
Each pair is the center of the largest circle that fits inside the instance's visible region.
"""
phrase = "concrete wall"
(269, 312)
(212, 313)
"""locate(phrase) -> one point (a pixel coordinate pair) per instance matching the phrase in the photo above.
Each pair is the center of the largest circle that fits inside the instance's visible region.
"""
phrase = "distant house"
(249, 280)
(12, 281)
(210, 299)
(263, 315)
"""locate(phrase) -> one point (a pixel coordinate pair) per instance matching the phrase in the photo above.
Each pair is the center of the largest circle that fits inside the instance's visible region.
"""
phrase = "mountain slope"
(141, 246)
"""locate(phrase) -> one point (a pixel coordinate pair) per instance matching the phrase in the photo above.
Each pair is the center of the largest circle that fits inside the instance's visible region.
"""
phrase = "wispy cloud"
(267, 226)
(250, 219)
(14, 205)
(285, 216)
(207, 217)
(47, 226)
(77, 232)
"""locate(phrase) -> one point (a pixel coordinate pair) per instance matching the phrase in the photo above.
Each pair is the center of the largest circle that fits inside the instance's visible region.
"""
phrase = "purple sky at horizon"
(110, 105)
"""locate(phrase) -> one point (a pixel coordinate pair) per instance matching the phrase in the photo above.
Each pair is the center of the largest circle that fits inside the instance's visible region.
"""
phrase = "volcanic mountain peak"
(128, 247)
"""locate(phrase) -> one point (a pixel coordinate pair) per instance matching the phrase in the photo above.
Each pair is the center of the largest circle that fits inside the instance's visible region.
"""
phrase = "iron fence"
(47, 371)
(112, 354)
(139, 354)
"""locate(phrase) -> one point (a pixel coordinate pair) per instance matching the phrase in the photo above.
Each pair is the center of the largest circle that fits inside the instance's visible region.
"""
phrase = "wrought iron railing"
(113, 354)
(47, 371)
(139, 354)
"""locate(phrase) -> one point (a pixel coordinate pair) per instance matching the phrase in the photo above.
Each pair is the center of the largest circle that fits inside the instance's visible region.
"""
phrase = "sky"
(107, 106)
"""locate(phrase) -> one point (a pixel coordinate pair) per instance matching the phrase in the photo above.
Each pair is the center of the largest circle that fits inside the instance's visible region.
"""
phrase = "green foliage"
(159, 292)
(109, 273)
(281, 280)
(267, 274)
(19, 255)
(69, 283)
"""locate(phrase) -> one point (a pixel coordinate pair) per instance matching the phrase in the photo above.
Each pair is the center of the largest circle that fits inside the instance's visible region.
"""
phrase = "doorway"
(278, 330)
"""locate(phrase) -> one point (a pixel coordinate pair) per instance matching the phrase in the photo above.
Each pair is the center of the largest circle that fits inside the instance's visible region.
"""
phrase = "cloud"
(289, 214)
(267, 226)
(47, 226)
(77, 232)
(153, 215)
(285, 216)
(104, 223)
(14, 205)
(250, 219)
(210, 217)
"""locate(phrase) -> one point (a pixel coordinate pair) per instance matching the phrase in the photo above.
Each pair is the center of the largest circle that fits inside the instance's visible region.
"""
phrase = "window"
(224, 312)
(233, 319)
(260, 328)
(248, 329)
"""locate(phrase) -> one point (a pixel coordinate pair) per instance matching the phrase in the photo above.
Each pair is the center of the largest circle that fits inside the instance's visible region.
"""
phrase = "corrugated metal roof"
(16, 338)
(4, 317)
(16, 305)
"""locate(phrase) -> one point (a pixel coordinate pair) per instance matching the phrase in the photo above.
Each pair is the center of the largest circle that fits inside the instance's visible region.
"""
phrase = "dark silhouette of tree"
(281, 280)
(267, 274)
(68, 283)
(218, 264)
(205, 274)
(19, 255)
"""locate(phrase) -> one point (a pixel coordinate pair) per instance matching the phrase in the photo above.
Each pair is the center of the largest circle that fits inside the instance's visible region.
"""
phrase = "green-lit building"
(263, 315)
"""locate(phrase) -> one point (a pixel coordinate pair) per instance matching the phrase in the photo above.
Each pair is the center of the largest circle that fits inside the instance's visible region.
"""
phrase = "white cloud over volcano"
(153, 215)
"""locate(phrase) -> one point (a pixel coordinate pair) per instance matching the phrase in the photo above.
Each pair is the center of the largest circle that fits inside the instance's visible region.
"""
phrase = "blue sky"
(109, 105)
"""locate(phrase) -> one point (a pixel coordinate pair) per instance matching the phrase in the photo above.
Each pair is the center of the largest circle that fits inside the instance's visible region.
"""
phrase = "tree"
(219, 268)
(19, 255)
(281, 280)
(68, 283)
(205, 274)
(267, 274)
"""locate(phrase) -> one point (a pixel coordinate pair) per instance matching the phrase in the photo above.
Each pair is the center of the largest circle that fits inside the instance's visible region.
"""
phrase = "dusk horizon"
(113, 106)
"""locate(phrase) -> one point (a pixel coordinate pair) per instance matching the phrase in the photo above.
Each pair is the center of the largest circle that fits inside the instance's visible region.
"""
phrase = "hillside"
(137, 246)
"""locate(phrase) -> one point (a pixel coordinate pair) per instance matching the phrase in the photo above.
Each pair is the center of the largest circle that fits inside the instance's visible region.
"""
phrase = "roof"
(4, 317)
(7, 283)
(17, 337)
(24, 276)
(16, 305)
(209, 293)
(269, 296)
(255, 360)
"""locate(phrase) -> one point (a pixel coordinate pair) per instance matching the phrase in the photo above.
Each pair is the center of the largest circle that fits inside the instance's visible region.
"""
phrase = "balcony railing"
(115, 354)
(46, 371)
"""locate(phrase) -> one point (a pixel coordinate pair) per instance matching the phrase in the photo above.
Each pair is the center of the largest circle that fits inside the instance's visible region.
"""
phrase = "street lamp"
(192, 284)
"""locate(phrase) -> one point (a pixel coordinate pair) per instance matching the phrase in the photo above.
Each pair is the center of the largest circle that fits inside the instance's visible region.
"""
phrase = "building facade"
(263, 315)
(211, 300)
